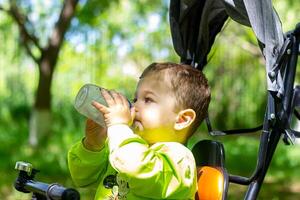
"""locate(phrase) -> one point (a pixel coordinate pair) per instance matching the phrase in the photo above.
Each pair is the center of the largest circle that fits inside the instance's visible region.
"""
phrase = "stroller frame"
(276, 124)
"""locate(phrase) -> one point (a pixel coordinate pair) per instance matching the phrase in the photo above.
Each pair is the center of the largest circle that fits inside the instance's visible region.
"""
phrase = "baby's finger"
(116, 97)
(103, 109)
(108, 98)
(91, 126)
(125, 101)
(90, 122)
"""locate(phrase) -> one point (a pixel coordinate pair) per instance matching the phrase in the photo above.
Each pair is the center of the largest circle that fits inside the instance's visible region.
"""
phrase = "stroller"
(194, 26)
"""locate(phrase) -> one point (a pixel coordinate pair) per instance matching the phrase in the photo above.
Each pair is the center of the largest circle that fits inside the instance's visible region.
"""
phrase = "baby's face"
(155, 114)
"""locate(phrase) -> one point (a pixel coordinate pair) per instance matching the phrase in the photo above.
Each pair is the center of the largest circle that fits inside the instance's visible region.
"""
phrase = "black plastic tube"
(52, 191)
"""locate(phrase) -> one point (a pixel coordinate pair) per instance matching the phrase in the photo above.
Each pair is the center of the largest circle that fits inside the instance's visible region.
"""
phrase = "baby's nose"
(135, 105)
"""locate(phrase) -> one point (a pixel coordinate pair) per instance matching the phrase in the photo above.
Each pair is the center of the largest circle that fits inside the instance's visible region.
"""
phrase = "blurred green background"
(109, 43)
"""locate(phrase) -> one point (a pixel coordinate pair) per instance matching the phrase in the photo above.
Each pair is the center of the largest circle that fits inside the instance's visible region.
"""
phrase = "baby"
(141, 155)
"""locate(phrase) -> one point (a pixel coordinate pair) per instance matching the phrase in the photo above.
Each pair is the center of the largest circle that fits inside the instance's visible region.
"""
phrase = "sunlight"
(153, 21)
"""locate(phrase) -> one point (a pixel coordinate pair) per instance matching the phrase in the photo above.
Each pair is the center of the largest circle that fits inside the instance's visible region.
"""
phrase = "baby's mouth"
(137, 125)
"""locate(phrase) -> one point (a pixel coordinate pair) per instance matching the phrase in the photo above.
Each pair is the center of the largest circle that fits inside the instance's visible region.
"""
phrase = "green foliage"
(109, 44)
(89, 12)
(237, 80)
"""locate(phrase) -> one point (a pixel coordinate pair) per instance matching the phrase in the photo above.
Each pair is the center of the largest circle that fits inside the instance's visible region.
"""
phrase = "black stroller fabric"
(196, 23)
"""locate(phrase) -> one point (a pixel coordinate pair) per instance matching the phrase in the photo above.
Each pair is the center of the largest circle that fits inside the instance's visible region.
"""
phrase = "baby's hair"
(189, 85)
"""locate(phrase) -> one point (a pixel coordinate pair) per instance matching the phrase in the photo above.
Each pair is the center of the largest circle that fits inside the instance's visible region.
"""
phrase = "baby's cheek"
(152, 116)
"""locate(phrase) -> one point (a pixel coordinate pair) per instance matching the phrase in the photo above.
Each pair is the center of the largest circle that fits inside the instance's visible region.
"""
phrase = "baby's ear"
(184, 119)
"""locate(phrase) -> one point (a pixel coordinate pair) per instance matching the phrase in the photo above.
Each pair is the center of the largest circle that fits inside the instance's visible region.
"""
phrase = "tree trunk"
(41, 120)
(39, 126)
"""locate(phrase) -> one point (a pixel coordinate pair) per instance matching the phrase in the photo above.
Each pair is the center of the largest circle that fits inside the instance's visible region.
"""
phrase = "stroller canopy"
(195, 24)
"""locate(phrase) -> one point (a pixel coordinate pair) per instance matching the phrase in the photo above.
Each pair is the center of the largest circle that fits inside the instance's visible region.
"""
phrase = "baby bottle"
(83, 103)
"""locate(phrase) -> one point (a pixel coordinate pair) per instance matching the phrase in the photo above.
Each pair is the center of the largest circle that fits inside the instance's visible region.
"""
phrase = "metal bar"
(254, 187)
(290, 73)
(36, 187)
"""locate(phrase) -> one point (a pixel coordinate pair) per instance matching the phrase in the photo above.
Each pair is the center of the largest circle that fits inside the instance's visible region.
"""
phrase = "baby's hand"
(95, 135)
(118, 111)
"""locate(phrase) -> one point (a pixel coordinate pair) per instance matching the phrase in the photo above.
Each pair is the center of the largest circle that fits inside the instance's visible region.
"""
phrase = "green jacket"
(132, 170)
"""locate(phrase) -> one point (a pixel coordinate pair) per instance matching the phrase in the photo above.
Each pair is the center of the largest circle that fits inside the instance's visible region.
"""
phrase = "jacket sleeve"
(86, 167)
(163, 170)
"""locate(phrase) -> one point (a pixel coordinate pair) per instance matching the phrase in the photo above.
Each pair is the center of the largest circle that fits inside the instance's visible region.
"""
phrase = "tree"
(45, 58)
(45, 53)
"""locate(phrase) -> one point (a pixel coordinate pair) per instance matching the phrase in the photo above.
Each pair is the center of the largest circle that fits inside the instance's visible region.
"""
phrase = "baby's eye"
(148, 100)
